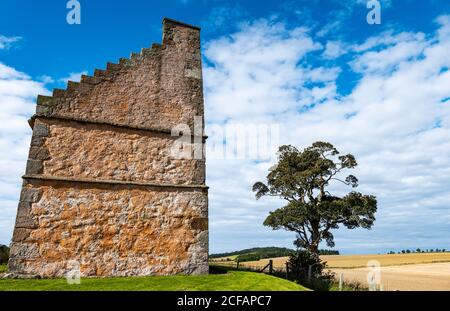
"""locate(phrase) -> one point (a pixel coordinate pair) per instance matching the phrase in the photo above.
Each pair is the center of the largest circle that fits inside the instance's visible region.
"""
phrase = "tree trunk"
(315, 237)
(313, 248)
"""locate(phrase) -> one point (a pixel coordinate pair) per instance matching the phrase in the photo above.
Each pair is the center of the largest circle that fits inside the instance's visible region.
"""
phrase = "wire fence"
(286, 272)
(280, 271)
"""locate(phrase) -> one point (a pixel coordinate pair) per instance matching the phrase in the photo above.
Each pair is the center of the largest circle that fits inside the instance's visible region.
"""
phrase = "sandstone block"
(30, 195)
(24, 250)
(15, 264)
(24, 218)
(39, 153)
(40, 130)
(43, 110)
(20, 234)
(199, 224)
(34, 167)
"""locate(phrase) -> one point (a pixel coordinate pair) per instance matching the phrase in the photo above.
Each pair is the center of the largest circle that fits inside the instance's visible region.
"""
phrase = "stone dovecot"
(101, 188)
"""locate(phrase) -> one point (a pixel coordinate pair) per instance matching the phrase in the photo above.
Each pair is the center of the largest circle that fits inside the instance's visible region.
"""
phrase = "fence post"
(237, 264)
(309, 272)
(287, 271)
(341, 281)
(270, 266)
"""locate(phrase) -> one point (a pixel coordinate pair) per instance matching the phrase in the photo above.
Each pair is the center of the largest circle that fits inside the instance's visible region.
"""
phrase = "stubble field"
(360, 261)
(415, 271)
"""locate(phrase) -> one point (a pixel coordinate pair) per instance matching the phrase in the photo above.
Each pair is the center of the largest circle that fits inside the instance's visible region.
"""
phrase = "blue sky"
(317, 68)
(112, 29)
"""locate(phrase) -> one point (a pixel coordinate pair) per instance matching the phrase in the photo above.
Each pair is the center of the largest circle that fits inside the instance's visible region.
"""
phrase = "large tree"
(302, 178)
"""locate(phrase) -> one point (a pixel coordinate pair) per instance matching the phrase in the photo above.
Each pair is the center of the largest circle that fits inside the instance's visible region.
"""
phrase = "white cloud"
(333, 50)
(7, 42)
(73, 76)
(347, 10)
(17, 103)
(395, 51)
(222, 18)
(384, 3)
(46, 79)
(255, 73)
(396, 121)
(337, 20)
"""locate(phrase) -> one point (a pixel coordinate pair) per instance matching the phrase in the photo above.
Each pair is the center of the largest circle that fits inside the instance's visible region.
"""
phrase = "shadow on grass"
(217, 270)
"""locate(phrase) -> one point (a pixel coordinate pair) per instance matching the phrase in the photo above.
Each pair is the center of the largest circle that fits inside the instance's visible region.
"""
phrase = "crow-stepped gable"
(101, 188)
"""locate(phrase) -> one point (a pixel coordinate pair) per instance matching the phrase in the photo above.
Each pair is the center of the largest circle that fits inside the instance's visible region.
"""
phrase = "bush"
(354, 286)
(299, 264)
(4, 254)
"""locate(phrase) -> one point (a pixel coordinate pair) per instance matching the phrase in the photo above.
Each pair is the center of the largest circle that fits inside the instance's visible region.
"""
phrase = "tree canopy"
(301, 177)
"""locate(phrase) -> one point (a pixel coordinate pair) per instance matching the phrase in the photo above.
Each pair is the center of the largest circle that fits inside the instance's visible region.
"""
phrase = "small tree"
(4, 254)
(302, 178)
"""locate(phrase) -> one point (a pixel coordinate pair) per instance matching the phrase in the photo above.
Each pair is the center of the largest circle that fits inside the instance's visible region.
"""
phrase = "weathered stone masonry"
(100, 185)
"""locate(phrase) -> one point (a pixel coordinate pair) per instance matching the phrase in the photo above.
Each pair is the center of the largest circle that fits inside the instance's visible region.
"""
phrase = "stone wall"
(101, 187)
(157, 88)
(106, 152)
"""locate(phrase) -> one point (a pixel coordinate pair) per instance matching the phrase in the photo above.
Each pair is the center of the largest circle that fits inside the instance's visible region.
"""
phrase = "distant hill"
(4, 254)
(262, 251)
(256, 253)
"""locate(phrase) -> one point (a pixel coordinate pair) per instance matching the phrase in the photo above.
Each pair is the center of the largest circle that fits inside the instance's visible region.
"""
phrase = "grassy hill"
(232, 280)
(263, 252)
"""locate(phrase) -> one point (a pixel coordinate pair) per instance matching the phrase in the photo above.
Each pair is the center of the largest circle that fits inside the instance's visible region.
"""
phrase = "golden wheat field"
(429, 276)
(415, 271)
(359, 261)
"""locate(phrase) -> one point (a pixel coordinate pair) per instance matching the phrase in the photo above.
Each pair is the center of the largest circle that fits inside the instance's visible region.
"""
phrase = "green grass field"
(2, 268)
(232, 280)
